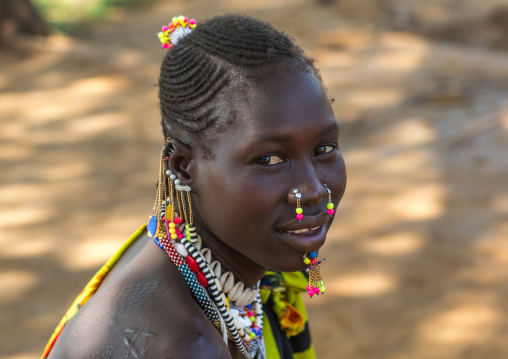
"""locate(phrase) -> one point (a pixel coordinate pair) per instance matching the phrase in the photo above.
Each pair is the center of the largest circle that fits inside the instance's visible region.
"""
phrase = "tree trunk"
(19, 17)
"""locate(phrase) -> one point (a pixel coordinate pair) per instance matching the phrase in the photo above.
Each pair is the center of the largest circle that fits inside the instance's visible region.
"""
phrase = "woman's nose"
(312, 193)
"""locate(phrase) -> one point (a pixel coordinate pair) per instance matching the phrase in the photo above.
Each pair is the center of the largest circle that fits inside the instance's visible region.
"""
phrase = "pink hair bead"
(165, 28)
(331, 211)
(316, 290)
(299, 216)
(165, 46)
(192, 22)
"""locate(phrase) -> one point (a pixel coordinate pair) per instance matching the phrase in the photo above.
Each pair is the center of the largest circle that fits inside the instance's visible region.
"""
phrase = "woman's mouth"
(304, 231)
(304, 239)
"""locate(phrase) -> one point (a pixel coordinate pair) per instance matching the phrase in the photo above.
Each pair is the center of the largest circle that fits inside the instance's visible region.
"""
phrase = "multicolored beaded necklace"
(243, 324)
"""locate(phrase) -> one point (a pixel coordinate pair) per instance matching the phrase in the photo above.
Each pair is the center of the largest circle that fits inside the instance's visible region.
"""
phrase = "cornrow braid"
(207, 60)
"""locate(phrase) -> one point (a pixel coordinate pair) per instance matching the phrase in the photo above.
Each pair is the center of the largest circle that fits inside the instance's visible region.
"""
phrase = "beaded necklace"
(243, 322)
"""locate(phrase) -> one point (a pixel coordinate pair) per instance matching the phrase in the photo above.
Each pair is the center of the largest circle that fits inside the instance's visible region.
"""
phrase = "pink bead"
(309, 287)
(316, 290)
(192, 22)
(185, 19)
(171, 25)
(299, 217)
(165, 46)
(180, 236)
(331, 211)
(165, 28)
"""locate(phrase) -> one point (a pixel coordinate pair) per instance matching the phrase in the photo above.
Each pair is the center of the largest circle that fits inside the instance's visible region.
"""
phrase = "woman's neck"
(243, 268)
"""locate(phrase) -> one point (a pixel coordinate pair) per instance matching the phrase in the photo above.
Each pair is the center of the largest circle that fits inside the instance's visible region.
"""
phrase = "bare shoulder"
(144, 310)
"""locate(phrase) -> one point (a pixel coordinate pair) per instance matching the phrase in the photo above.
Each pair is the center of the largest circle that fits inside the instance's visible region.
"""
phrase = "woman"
(251, 139)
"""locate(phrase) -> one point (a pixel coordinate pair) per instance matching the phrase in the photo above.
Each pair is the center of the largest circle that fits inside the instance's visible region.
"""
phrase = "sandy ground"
(417, 259)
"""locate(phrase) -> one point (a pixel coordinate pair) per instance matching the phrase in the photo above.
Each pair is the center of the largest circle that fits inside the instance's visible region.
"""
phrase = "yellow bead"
(306, 261)
(174, 236)
(193, 27)
(172, 225)
(160, 34)
(172, 230)
(174, 20)
(181, 18)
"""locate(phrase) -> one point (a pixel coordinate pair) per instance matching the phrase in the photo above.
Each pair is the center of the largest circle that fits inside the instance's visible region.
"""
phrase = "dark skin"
(286, 137)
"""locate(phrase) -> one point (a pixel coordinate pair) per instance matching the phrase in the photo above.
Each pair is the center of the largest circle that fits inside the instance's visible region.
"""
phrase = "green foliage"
(71, 15)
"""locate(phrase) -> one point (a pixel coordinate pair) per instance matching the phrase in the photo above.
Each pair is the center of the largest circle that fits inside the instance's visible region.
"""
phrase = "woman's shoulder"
(144, 310)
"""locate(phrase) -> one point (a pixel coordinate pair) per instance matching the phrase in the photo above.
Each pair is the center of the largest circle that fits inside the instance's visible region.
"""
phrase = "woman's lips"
(305, 239)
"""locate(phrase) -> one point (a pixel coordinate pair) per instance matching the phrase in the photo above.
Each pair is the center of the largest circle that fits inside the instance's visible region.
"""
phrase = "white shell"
(207, 254)
(241, 332)
(247, 321)
(238, 323)
(180, 248)
(234, 312)
(243, 300)
(236, 291)
(216, 267)
(199, 243)
(227, 280)
(252, 297)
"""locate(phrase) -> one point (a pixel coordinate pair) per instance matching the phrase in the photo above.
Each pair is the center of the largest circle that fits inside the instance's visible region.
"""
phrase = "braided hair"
(216, 54)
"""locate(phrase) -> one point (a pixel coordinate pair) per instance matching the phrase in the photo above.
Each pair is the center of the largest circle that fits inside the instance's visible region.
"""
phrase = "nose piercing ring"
(330, 203)
(299, 210)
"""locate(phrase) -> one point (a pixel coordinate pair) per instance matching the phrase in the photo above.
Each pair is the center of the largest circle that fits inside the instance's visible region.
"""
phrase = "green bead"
(187, 226)
(299, 210)
(329, 205)
(322, 289)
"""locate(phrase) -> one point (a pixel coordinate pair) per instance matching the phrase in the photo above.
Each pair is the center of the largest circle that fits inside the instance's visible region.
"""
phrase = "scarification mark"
(105, 353)
(136, 295)
(137, 343)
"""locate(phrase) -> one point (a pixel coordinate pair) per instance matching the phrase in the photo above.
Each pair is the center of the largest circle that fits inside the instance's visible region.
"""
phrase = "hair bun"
(177, 29)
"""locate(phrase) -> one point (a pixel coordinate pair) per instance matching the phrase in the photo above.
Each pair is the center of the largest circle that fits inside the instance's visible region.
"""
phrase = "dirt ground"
(417, 258)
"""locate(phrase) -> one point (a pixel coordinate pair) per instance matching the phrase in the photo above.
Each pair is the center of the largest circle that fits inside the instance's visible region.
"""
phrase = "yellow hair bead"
(160, 34)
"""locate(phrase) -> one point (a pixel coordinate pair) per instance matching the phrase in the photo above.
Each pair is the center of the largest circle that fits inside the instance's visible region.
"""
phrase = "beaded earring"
(330, 204)
(299, 210)
(315, 281)
(155, 224)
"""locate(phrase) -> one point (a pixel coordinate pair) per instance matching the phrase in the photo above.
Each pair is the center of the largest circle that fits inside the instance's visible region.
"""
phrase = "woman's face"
(285, 138)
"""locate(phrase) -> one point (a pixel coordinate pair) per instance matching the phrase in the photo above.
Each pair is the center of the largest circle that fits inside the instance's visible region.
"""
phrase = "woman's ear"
(179, 156)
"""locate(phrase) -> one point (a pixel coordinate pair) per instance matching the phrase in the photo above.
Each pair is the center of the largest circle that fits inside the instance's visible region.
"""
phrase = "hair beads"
(175, 31)
(299, 210)
(315, 281)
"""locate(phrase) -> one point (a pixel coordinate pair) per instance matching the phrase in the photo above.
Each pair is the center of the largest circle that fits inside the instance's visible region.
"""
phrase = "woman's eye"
(270, 160)
(321, 150)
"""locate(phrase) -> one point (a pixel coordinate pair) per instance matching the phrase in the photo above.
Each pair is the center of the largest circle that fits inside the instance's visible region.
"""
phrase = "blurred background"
(417, 260)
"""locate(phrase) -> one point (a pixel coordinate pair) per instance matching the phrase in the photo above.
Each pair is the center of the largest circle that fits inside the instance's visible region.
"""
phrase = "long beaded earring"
(299, 210)
(315, 281)
(157, 218)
